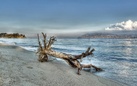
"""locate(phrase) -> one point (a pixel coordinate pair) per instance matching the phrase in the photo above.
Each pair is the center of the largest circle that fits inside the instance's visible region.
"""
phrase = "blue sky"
(63, 16)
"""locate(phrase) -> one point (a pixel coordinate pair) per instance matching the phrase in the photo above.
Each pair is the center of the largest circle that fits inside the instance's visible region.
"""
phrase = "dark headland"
(12, 35)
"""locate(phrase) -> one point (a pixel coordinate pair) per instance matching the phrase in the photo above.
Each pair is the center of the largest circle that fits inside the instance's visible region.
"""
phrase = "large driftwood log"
(72, 60)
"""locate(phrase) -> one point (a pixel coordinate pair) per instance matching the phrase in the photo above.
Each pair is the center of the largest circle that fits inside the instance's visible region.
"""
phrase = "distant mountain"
(111, 34)
(13, 35)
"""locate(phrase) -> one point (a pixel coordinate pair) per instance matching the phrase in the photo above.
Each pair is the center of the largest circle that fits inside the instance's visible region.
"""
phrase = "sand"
(19, 67)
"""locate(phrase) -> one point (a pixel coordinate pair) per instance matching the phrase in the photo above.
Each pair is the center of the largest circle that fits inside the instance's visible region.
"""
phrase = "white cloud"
(125, 25)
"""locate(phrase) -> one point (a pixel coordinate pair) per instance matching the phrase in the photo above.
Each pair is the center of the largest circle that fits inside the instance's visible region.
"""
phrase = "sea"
(117, 57)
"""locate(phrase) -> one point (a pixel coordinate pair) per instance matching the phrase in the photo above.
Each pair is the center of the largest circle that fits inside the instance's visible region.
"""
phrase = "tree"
(72, 60)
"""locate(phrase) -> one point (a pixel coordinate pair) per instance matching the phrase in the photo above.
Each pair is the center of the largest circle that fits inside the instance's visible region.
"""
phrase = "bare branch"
(51, 41)
(40, 46)
(87, 53)
(44, 40)
(90, 65)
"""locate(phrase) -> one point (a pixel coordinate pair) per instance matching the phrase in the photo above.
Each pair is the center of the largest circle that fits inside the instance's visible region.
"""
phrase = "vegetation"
(13, 35)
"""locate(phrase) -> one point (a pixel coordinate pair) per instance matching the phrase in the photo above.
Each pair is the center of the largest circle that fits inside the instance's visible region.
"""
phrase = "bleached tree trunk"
(72, 60)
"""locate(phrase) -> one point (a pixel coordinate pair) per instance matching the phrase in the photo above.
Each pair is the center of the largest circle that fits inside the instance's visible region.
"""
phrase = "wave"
(67, 47)
(128, 59)
(29, 48)
(7, 42)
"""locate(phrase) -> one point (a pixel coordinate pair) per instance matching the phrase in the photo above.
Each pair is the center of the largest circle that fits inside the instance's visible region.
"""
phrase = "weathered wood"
(40, 46)
(44, 40)
(42, 56)
(72, 60)
(51, 41)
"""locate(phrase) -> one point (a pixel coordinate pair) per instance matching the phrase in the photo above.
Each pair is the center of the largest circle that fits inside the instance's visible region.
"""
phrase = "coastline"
(20, 67)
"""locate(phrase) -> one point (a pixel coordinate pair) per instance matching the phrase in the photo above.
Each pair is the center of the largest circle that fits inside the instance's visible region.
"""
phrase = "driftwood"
(72, 60)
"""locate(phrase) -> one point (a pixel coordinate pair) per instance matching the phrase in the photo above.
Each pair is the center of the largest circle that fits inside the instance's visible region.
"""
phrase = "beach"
(19, 67)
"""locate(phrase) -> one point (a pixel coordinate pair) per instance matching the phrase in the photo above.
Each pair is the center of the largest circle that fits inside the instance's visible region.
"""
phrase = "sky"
(64, 16)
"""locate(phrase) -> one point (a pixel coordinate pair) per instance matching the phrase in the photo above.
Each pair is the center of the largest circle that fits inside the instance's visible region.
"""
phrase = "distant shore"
(112, 35)
(12, 35)
(20, 67)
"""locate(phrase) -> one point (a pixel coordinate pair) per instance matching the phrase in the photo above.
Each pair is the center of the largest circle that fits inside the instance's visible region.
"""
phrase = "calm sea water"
(117, 57)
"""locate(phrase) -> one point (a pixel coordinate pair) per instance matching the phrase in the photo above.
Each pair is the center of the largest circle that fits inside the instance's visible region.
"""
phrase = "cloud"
(125, 25)
(38, 27)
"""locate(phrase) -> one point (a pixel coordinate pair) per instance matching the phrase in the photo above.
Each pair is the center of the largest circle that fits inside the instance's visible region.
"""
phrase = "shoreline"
(20, 67)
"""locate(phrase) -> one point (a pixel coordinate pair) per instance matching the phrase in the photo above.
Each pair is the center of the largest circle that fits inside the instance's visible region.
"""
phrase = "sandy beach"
(19, 67)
